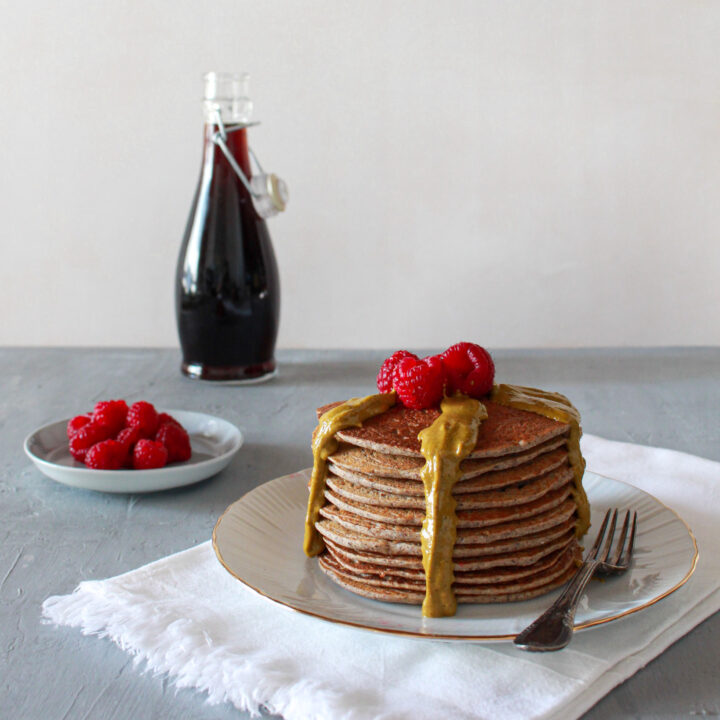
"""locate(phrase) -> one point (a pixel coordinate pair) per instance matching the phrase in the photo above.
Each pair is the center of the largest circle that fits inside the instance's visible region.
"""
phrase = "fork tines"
(624, 545)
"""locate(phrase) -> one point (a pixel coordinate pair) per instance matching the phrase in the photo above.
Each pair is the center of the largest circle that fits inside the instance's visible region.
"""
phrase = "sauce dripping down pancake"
(347, 414)
(444, 444)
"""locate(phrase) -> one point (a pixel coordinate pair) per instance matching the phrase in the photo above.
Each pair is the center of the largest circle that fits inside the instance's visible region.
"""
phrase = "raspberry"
(165, 418)
(149, 454)
(386, 376)
(420, 383)
(143, 416)
(85, 438)
(111, 413)
(176, 441)
(74, 424)
(470, 369)
(128, 437)
(106, 455)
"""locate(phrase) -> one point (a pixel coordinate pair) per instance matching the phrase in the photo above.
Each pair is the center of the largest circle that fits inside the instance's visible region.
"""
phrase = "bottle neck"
(237, 144)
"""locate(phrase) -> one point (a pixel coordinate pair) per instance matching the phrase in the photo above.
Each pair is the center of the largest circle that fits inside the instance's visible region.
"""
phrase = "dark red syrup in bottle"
(227, 290)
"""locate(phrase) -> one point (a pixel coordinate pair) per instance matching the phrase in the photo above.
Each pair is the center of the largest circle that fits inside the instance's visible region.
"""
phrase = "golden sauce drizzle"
(444, 444)
(556, 407)
(347, 414)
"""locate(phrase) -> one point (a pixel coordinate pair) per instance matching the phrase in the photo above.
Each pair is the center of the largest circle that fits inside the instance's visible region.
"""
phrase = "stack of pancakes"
(516, 514)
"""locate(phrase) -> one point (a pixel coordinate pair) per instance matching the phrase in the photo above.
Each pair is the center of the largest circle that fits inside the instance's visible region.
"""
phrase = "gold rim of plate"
(467, 638)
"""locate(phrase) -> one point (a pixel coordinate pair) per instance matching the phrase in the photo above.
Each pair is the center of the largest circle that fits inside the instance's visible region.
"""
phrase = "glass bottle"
(227, 290)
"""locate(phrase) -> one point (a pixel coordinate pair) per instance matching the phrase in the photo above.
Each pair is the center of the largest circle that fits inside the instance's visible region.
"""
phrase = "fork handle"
(553, 630)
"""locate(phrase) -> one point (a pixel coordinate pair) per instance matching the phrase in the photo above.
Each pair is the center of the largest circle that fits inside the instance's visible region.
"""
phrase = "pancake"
(511, 495)
(465, 536)
(487, 583)
(395, 591)
(505, 431)
(414, 598)
(350, 539)
(465, 518)
(366, 462)
(498, 573)
(521, 472)
(511, 558)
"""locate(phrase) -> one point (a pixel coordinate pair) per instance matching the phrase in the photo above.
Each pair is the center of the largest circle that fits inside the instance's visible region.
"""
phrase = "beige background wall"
(516, 173)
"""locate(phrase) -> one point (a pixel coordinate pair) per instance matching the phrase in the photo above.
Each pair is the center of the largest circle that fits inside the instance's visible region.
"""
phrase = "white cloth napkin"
(186, 616)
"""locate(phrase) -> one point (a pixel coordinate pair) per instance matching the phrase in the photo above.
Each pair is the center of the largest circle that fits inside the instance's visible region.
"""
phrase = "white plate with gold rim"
(259, 538)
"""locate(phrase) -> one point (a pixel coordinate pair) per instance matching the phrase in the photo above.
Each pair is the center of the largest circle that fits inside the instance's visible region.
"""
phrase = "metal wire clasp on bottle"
(268, 192)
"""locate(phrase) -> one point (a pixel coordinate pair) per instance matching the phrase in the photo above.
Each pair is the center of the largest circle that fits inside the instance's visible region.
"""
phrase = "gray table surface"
(52, 536)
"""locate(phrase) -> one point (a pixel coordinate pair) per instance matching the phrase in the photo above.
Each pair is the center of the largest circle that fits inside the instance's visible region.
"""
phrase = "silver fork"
(553, 630)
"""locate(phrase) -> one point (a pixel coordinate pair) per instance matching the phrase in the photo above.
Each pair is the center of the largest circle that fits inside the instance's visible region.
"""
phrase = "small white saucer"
(214, 443)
